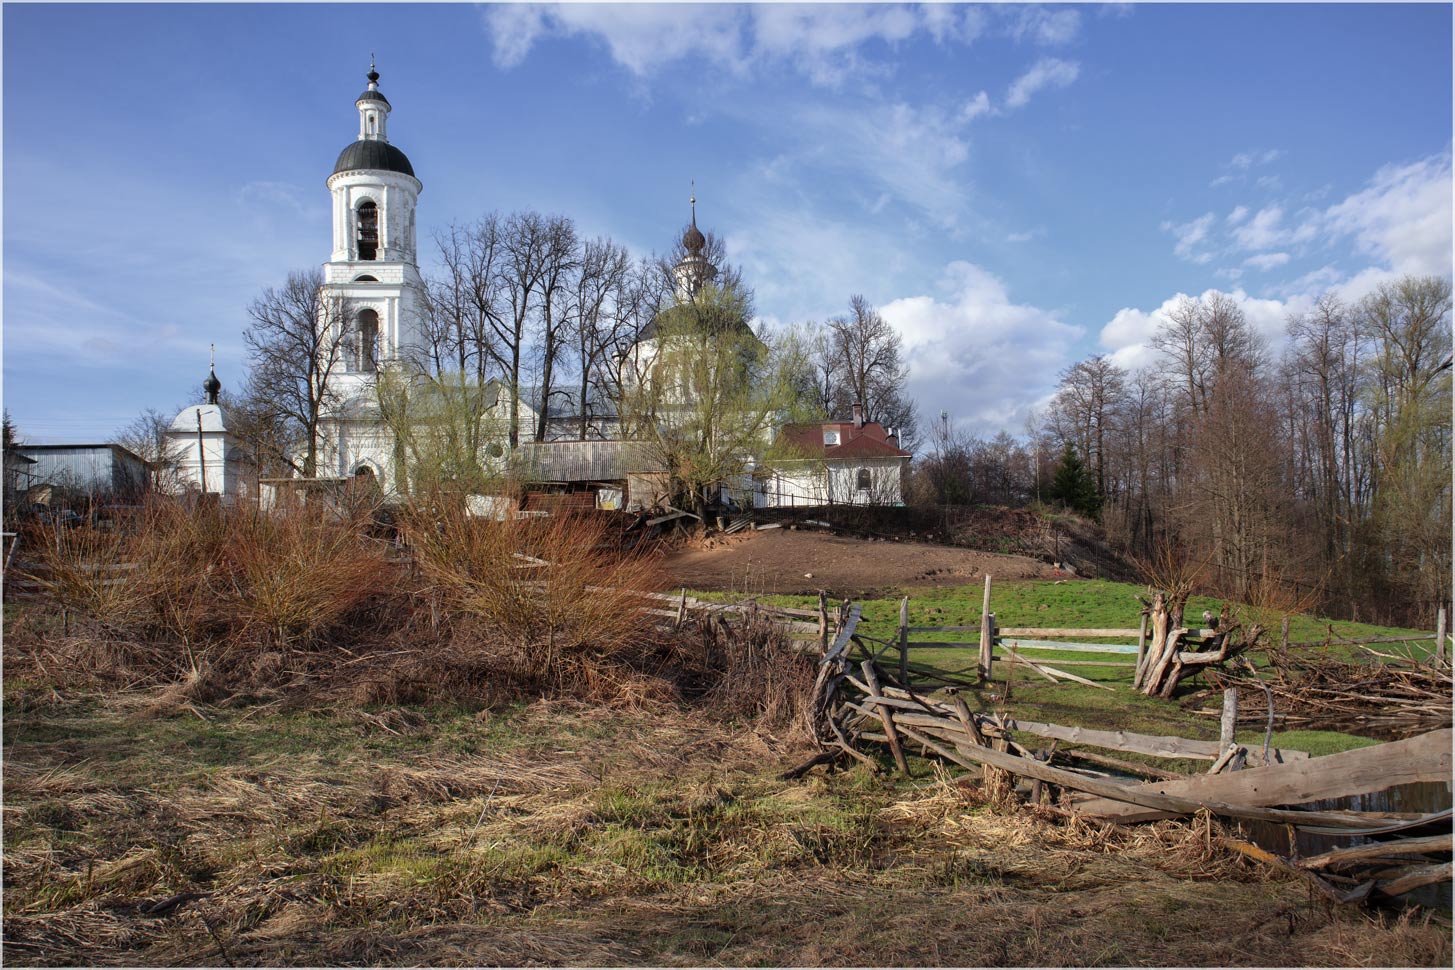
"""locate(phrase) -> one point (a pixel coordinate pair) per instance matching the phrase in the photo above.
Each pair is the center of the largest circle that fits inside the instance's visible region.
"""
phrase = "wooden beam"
(1357, 772)
(1037, 631)
(1375, 850)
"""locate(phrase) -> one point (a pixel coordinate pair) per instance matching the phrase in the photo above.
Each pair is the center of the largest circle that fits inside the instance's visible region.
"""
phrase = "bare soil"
(801, 561)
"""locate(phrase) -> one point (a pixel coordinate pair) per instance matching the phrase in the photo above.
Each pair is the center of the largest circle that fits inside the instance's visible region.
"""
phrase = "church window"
(863, 482)
(368, 339)
(368, 231)
(366, 278)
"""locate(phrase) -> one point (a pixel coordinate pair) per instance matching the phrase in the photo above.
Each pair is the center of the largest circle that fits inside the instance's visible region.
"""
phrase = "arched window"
(368, 222)
(863, 480)
(368, 341)
(366, 278)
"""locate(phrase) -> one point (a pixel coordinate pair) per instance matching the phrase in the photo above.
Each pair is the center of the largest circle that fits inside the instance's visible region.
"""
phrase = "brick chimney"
(858, 415)
(892, 436)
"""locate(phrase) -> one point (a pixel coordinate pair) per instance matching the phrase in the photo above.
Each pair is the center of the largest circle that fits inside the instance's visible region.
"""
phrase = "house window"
(830, 437)
(368, 337)
(863, 479)
(368, 231)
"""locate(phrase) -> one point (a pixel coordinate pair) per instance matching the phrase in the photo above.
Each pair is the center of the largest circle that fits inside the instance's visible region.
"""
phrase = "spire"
(693, 240)
(212, 385)
(373, 74)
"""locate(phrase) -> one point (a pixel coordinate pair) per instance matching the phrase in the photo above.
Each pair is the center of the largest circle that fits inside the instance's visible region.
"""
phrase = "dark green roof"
(372, 155)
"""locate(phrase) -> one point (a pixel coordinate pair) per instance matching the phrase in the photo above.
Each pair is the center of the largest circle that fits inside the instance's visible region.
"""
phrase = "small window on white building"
(368, 341)
(863, 479)
(830, 437)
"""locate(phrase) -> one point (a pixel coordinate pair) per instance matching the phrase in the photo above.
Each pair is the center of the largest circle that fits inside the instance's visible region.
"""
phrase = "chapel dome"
(372, 155)
(693, 240)
(186, 421)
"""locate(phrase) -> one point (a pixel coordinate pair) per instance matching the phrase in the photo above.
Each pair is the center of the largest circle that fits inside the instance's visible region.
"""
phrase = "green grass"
(1074, 604)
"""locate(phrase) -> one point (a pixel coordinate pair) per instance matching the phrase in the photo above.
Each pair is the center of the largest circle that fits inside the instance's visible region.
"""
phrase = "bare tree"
(868, 368)
(146, 436)
(296, 344)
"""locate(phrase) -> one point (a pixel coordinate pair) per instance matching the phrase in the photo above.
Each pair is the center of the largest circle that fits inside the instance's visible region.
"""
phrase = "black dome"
(371, 96)
(372, 155)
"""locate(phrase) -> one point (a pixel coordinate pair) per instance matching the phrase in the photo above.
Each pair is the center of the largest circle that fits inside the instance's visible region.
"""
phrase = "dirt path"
(781, 561)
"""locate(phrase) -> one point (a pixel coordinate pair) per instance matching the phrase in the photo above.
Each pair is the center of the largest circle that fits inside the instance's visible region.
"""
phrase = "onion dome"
(693, 240)
(372, 155)
(212, 386)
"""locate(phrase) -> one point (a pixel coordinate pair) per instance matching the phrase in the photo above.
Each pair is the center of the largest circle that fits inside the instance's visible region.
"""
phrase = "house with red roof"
(853, 462)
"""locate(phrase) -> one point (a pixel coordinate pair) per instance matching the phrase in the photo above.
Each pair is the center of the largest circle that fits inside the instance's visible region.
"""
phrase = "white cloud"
(976, 353)
(825, 42)
(975, 107)
(1127, 334)
(1266, 261)
(1402, 218)
(914, 153)
(1190, 235)
(1237, 215)
(1264, 231)
(1051, 27)
(1047, 72)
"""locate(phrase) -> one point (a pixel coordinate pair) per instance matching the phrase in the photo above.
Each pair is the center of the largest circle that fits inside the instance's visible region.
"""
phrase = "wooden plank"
(904, 643)
(1375, 850)
(987, 637)
(1414, 879)
(1037, 631)
(886, 717)
(1357, 772)
(1020, 644)
(1054, 673)
(1163, 746)
(841, 642)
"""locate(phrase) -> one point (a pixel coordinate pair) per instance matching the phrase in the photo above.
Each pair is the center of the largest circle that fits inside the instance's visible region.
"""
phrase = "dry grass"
(572, 834)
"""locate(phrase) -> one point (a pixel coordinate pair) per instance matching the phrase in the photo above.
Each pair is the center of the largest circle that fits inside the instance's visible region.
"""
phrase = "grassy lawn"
(560, 833)
(1080, 604)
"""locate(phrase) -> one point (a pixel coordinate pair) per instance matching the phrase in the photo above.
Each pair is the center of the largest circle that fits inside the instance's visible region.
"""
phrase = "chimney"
(892, 436)
(858, 415)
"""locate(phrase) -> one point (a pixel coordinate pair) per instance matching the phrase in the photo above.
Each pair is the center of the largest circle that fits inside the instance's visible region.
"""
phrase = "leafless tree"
(146, 437)
(297, 342)
(868, 368)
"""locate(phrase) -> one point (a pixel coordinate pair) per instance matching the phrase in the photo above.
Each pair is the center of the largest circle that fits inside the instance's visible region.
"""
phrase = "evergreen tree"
(1074, 486)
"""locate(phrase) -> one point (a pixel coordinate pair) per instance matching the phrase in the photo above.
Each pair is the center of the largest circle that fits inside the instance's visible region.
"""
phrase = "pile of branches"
(1400, 695)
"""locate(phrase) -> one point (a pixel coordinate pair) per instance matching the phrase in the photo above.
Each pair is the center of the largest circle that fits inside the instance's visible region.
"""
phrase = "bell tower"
(373, 292)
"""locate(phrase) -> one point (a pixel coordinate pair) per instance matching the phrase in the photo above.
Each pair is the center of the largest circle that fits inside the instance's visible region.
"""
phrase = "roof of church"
(371, 95)
(372, 155)
(186, 421)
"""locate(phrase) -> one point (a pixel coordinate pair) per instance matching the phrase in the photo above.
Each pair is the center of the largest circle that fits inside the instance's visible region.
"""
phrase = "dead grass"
(567, 833)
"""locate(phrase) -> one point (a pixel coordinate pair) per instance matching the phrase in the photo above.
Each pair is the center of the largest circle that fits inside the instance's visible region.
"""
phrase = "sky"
(1015, 187)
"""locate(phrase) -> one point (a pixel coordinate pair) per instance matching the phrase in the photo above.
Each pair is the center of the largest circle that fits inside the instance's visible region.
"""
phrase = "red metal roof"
(869, 441)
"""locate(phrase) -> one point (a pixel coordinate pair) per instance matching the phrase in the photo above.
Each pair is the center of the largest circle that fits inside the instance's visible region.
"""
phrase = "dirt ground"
(804, 562)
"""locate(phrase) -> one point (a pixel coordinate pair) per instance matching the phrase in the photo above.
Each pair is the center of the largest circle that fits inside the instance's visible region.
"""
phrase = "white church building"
(374, 292)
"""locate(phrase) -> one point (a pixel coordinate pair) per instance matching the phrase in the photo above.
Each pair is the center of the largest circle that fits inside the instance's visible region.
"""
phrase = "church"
(374, 295)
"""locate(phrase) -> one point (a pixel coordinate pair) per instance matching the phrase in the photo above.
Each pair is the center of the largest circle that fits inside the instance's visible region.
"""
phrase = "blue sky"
(1015, 186)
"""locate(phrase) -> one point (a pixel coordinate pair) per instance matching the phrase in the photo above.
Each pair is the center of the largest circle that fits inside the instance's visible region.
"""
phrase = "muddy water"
(1423, 797)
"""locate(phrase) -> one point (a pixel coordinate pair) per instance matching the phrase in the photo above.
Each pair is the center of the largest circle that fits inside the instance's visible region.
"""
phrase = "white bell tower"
(371, 285)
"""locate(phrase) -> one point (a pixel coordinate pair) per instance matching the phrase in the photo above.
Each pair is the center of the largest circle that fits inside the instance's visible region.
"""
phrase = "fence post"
(823, 622)
(1229, 723)
(985, 635)
(1284, 641)
(682, 607)
(1141, 653)
(1440, 633)
(904, 643)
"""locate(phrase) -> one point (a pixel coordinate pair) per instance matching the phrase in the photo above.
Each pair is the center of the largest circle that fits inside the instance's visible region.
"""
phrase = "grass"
(569, 834)
(1076, 604)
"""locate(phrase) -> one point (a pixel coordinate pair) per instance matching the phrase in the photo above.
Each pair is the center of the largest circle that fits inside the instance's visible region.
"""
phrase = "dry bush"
(751, 670)
(557, 598)
(84, 571)
(298, 573)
